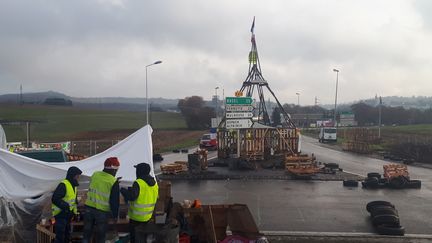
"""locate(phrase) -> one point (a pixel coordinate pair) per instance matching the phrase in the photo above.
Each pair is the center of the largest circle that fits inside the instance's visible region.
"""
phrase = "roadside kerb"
(342, 237)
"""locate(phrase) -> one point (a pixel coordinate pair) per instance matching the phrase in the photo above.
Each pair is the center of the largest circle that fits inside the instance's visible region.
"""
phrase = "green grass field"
(54, 123)
(423, 129)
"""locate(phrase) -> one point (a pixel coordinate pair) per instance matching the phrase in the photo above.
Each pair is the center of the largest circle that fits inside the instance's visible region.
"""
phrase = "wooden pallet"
(395, 170)
(173, 168)
(43, 234)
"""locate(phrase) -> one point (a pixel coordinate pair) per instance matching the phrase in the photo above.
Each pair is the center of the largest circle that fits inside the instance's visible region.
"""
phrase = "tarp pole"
(28, 134)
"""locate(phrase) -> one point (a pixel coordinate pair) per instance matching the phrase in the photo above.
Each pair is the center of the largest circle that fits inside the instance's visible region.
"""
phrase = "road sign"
(238, 123)
(238, 108)
(238, 100)
(232, 115)
(215, 122)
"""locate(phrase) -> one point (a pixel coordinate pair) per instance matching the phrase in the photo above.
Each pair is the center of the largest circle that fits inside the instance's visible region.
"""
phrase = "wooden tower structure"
(262, 140)
(256, 82)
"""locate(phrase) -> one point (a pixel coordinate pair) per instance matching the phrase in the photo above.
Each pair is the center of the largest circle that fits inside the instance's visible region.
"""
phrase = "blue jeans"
(94, 217)
(62, 229)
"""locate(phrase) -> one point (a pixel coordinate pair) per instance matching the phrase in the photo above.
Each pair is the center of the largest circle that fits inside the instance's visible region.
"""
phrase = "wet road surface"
(315, 206)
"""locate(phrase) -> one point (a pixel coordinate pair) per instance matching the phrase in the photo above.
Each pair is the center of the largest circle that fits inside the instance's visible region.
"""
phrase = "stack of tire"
(385, 218)
(402, 182)
(374, 181)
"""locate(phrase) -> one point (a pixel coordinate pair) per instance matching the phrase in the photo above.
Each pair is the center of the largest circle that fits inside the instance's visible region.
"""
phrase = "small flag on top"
(253, 25)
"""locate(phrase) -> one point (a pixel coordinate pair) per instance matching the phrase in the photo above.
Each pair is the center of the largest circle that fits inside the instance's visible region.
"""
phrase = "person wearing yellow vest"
(64, 204)
(102, 200)
(142, 197)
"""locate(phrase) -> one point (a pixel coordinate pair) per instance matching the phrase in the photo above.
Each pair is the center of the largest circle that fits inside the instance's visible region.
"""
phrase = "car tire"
(390, 230)
(374, 204)
(331, 165)
(371, 182)
(350, 183)
(383, 210)
(374, 174)
(416, 184)
(397, 182)
(157, 157)
(386, 219)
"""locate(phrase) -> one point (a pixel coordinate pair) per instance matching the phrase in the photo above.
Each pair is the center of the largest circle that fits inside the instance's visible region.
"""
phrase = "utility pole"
(379, 117)
(316, 101)
(337, 79)
(21, 96)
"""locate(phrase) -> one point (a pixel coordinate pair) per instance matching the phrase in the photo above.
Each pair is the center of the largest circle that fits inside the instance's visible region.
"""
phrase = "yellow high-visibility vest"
(69, 198)
(99, 191)
(142, 208)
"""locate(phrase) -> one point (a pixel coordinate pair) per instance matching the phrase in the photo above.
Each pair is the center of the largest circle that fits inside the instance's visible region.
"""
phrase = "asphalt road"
(315, 206)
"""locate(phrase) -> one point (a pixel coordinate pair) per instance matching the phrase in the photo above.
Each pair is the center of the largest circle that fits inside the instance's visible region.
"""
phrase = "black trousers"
(62, 229)
(95, 218)
(134, 238)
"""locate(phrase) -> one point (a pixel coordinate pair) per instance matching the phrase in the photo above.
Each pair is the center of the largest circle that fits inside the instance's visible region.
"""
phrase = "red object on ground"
(184, 238)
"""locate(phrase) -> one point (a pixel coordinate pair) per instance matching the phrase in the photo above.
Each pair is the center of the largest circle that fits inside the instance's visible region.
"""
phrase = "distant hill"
(417, 102)
(121, 103)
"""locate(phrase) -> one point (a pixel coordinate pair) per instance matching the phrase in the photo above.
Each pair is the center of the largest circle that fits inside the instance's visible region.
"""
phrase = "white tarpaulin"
(22, 177)
(3, 141)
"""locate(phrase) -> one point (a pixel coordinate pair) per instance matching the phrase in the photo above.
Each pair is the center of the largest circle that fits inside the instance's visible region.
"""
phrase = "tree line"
(369, 115)
(198, 116)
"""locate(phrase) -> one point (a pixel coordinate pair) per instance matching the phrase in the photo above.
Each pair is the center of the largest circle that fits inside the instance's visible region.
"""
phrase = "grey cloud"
(105, 45)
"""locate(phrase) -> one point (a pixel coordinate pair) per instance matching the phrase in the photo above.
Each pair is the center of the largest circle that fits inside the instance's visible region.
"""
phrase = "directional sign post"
(238, 100)
(238, 123)
(235, 115)
(238, 112)
(238, 108)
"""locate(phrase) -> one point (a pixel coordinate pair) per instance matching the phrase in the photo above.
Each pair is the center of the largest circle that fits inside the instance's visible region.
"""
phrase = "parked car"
(209, 141)
(46, 155)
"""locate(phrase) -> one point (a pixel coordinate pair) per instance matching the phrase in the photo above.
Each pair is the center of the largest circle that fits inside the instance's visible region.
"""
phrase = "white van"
(327, 134)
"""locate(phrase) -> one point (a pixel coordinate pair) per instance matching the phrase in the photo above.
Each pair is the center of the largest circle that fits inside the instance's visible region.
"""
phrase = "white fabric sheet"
(3, 141)
(22, 177)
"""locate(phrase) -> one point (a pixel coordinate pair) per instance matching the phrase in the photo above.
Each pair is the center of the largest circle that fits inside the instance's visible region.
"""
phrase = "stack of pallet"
(395, 170)
(301, 165)
(174, 168)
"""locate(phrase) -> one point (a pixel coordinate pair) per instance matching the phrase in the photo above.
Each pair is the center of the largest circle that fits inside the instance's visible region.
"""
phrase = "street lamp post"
(337, 78)
(147, 107)
(298, 99)
(216, 102)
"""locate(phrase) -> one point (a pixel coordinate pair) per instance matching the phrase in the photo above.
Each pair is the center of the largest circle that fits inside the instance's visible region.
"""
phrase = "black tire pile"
(385, 218)
(350, 183)
(157, 157)
(374, 181)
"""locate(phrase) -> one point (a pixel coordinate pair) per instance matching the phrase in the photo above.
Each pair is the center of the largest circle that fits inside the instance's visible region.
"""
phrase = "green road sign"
(238, 100)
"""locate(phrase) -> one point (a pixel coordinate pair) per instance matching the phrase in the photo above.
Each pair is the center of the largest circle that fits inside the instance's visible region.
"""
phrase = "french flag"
(253, 25)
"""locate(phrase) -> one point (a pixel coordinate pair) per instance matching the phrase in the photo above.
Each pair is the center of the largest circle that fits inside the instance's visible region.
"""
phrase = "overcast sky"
(99, 48)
